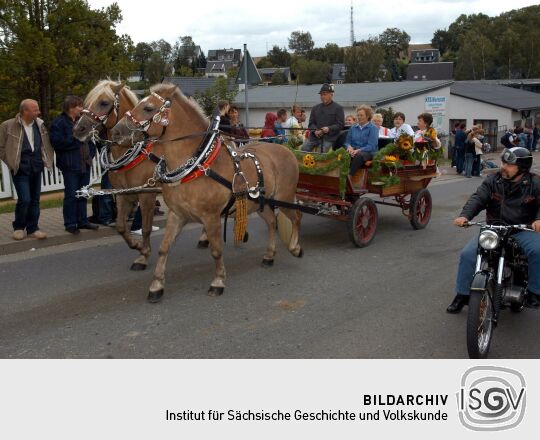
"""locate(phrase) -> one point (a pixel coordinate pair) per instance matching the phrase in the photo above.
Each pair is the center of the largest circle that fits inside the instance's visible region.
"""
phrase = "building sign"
(436, 105)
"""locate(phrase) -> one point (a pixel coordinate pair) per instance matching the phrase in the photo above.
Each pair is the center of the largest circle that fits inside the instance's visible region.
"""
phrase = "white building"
(495, 106)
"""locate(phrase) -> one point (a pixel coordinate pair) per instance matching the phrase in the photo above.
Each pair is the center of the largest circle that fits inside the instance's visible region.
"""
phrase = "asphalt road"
(387, 300)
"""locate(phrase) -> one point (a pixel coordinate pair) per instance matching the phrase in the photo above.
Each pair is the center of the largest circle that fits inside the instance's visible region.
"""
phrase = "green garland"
(390, 177)
(339, 159)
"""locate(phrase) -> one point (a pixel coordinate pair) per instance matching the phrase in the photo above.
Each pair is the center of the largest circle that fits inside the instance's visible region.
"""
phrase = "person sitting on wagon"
(425, 133)
(362, 139)
(400, 126)
(325, 122)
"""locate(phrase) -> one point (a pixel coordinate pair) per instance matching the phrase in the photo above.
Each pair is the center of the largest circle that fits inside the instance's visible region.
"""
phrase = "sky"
(218, 24)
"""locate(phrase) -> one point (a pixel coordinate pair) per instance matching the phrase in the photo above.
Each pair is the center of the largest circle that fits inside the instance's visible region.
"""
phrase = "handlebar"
(500, 227)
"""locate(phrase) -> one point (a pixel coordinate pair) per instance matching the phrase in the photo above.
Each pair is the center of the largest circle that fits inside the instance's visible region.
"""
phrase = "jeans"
(460, 159)
(530, 245)
(469, 159)
(476, 165)
(309, 145)
(28, 189)
(75, 213)
(105, 203)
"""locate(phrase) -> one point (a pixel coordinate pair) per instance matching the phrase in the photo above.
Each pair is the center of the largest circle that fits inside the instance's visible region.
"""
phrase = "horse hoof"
(215, 291)
(154, 297)
(300, 254)
(137, 266)
(246, 237)
(267, 262)
(202, 244)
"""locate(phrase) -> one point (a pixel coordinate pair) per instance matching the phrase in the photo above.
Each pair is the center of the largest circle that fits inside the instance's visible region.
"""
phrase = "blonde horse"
(203, 199)
(105, 105)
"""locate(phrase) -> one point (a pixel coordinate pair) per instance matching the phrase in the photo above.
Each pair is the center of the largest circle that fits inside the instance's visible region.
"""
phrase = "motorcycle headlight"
(489, 240)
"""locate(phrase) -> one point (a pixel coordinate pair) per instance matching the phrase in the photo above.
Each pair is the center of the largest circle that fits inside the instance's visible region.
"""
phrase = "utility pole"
(352, 26)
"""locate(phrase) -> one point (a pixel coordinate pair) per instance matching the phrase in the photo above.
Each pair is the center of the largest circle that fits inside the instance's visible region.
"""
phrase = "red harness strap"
(191, 176)
(142, 155)
(199, 172)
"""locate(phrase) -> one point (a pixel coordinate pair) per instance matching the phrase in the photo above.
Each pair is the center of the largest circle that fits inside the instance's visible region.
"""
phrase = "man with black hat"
(325, 121)
(511, 196)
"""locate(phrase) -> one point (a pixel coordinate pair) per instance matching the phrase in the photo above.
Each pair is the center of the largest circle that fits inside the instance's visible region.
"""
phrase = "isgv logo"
(491, 398)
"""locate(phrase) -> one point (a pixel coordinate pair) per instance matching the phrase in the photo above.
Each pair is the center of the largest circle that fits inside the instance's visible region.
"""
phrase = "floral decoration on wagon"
(322, 163)
(404, 152)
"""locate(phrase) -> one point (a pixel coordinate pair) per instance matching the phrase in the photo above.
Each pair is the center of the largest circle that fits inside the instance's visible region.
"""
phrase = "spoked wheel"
(479, 325)
(420, 209)
(362, 223)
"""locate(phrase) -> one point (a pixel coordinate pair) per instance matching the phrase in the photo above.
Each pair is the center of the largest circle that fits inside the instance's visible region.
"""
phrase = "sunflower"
(430, 133)
(390, 158)
(405, 142)
(309, 161)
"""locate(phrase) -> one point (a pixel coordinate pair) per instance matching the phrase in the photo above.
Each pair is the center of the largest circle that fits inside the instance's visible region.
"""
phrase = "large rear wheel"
(362, 223)
(479, 324)
(420, 209)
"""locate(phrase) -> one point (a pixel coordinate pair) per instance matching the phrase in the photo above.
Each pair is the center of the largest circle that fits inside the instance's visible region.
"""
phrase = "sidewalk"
(51, 221)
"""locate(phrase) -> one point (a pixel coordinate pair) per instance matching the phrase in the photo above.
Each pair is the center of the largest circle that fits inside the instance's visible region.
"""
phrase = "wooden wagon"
(335, 194)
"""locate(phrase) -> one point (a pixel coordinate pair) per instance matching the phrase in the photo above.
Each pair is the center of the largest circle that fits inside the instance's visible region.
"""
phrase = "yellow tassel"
(240, 219)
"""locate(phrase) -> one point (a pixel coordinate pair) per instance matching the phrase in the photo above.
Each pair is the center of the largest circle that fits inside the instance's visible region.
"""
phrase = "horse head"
(104, 106)
(165, 114)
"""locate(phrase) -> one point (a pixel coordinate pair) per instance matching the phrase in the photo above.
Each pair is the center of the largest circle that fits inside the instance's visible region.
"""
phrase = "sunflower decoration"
(430, 133)
(391, 158)
(405, 142)
(309, 161)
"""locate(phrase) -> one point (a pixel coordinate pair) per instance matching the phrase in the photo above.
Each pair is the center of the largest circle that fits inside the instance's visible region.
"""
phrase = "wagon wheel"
(420, 209)
(362, 223)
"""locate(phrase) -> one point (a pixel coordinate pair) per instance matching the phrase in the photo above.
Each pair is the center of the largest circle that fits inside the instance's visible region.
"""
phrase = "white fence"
(51, 180)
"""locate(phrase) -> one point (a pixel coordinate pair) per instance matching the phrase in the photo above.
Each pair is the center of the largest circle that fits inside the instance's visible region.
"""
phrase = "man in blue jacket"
(74, 159)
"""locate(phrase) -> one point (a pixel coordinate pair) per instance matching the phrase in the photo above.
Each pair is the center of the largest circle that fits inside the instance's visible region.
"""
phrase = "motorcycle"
(500, 282)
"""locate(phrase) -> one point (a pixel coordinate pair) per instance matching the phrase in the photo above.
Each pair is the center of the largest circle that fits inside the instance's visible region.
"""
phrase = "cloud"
(219, 23)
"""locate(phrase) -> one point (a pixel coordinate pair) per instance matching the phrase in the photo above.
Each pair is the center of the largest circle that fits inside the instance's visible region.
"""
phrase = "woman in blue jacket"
(74, 159)
(362, 139)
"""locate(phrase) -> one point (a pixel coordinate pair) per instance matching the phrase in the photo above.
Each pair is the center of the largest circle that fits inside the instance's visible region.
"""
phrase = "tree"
(301, 42)
(264, 62)
(49, 48)
(219, 90)
(476, 57)
(279, 78)
(184, 54)
(141, 56)
(311, 71)
(394, 41)
(441, 40)
(509, 55)
(364, 61)
(278, 57)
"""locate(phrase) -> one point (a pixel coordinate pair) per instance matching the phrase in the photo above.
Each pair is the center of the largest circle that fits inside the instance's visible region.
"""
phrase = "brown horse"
(105, 105)
(203, 199)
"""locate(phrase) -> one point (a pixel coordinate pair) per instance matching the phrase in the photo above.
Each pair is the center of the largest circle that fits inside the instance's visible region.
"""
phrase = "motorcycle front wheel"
(479, 324)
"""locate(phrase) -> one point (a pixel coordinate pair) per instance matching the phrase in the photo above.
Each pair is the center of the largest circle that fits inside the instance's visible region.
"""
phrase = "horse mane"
(105, 87)
(183, 99)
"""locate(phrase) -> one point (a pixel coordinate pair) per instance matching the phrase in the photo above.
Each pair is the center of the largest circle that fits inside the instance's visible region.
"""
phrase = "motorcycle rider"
(511, 196)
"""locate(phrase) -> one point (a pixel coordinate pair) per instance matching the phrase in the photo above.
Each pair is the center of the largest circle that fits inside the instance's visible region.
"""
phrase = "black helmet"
(518, 156)
(327, 88)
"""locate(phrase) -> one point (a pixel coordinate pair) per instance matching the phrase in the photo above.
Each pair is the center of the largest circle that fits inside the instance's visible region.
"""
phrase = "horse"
(104, 106)
(181, 131)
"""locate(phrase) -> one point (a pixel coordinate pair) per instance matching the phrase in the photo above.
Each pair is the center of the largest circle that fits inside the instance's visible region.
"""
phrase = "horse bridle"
(102, 119)
(156, 119)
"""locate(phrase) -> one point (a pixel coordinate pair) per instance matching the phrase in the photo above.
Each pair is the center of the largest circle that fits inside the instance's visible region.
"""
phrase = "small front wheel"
(479, 324)
(362, 223)
(420, 209)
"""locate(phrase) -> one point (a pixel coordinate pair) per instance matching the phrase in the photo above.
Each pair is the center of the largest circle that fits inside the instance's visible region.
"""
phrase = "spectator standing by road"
(74, 159)
(25, 148)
